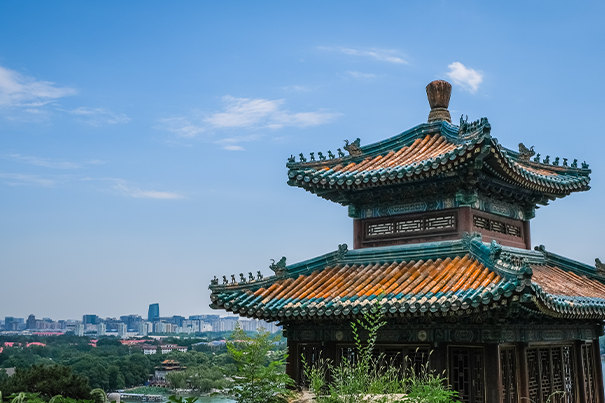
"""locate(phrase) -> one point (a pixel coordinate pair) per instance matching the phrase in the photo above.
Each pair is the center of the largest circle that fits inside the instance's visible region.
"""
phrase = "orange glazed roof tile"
(416, 279)
(433, 150)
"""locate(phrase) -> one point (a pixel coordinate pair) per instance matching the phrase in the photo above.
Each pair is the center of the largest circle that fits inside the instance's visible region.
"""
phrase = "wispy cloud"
(243, 113)
(125, 188)
(97, 116)
(383, 55)
(24, 179)
(360, 76)
(42, 162)
(232, 143)
(145, 194)
(467, 78)
(18, 90)
(299, 88)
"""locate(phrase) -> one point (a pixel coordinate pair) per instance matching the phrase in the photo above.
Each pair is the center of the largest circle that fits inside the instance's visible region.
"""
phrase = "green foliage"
(259, 379)
(366, 374)
(47, 381)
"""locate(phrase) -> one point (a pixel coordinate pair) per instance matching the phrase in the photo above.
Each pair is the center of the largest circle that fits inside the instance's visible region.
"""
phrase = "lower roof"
(435, 277)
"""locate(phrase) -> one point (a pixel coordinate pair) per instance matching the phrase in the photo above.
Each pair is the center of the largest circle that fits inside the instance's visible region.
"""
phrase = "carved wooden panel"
(589, 377)
(467, 374)
(550, 374)
(508, 374)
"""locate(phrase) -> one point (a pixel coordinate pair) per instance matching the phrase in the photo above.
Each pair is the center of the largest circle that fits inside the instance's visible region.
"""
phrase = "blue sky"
(143, 144)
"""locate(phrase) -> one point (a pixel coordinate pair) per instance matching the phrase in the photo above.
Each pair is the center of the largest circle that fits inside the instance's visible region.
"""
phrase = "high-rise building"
(154, 312)
(89, 319)
(31, 321)
(122, 330)
(101, 329)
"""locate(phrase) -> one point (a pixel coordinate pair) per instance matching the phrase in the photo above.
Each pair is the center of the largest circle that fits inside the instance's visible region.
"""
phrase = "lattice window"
(440, 222)
(481, 222)
(496, 226)
(409, 226)
(466, 374)
(380, 229)
(513, 230)
(549, 372)
(588, 369)
(508, 371)
(398, 226)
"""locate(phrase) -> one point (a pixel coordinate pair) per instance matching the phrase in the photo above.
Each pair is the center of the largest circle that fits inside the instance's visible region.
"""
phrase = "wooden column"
(357, 233)
(577, 349)
(523, 373)
(493, 385)
(598, 371)
(293, 359)
(527, 234)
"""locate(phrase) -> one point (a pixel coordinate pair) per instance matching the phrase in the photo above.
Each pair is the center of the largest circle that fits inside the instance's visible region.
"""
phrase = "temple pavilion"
(441, 220)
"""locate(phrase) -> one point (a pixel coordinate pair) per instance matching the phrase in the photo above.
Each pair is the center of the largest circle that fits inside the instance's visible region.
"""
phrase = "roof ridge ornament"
(353, 148)
(280, 267)
(600, 267)
(526, 153)
(439, 93)
(342, 251)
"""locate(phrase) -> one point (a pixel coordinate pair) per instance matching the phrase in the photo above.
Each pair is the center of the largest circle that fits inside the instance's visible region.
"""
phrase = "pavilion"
(441, 218)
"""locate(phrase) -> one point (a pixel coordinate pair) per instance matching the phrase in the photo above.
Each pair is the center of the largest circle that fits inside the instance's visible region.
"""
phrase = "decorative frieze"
(481, 203)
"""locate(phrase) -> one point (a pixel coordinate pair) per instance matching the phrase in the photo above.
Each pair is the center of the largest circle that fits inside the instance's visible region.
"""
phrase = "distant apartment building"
(79, 329)
(132, 321)
(101, 329)
(122, 330)
(142, 329)
(154, 312)
(165, 349)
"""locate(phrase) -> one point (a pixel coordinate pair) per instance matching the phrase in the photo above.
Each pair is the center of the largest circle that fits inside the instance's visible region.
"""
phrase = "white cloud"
(468, 79)
(42, 162)
(256, 113)
(181, 127)
(23, 179)
(360, 76)
(242, 113)
(128, 189)
(17, 89)
(97, 116)
(299, 88)
(135, 192)
(231, 143)
(383, 55)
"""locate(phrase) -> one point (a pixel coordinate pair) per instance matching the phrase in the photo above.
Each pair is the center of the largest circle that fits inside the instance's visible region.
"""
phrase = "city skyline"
(143, 144)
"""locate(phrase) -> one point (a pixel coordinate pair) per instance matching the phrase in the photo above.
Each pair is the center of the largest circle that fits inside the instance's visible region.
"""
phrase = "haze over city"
(144, 143)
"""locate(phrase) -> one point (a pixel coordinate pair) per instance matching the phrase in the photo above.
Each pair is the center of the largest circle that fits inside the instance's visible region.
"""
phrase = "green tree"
(257, 380)
(48, 381)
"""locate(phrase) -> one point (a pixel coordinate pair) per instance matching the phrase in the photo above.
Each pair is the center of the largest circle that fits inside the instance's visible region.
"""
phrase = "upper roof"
(431, 151)
(413, 279)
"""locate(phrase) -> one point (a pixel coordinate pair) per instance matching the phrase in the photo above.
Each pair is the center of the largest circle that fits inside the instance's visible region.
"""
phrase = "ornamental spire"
(439, 93)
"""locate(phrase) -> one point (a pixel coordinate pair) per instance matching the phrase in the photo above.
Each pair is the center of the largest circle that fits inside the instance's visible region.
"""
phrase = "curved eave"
(314, 180)
(552, 180)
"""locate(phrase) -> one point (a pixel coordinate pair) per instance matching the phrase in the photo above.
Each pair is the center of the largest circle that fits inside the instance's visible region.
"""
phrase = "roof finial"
(439, 93)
